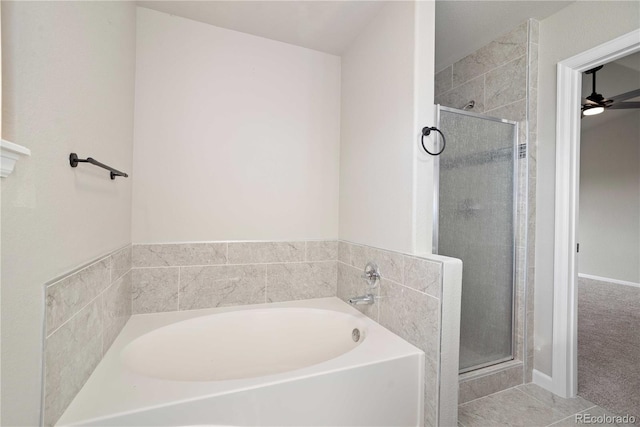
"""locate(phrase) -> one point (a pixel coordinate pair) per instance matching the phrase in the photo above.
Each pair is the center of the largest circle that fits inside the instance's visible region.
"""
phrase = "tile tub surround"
(408, 304)
(188, 276)
(502, 78)
(85, 311)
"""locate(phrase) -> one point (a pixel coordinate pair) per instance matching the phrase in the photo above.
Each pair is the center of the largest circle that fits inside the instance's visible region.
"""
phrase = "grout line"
(484, 74)
(74, 315)
(539, 400)
(569, 416)
(489, 395)
(386, 279)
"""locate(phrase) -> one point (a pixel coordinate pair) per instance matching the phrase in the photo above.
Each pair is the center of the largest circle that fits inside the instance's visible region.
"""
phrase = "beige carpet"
(609, 346)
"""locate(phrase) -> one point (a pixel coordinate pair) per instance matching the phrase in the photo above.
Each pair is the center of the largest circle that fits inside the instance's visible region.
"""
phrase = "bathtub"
(305, 363)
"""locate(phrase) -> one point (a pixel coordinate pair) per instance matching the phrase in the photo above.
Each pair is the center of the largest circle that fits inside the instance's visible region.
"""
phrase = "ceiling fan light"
(592, 111)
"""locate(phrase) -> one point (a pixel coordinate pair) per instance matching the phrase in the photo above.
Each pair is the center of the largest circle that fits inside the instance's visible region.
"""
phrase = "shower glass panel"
(476, 214)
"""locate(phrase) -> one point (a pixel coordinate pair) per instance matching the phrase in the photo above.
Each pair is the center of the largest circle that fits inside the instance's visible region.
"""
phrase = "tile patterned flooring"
(527, 405)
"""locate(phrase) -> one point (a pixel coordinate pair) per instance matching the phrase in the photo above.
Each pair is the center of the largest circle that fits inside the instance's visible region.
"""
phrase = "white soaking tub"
(315, 362)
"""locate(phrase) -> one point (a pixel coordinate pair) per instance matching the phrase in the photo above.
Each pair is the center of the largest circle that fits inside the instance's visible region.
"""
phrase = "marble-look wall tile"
(533, 112)
(72, 353)
(295, 281)
(85, 311)
(161, 255)
(533, 65)
(528, 368)
(444, 80)
(389, 263)
(459, 96)
(476, 387)
(506, 84)
(350, 284)
(116, 309)
(66, 297)
(221, 286)
(326, 250)
(411, 315)
(265, 252)
(500, 51)
(516, 111)
(431, 389)
(534, 31)
(344, 252)
(120, 263)
(423, 275)
(154, 289)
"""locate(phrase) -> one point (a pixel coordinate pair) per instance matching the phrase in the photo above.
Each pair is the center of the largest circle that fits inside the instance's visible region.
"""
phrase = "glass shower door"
(475, 203)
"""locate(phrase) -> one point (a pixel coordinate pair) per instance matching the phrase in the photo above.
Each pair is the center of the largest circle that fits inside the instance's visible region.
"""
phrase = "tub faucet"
(364, 299)
(371, 275)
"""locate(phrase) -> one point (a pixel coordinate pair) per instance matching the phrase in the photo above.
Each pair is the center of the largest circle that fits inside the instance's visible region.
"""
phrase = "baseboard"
(606, 279)
(543, 380)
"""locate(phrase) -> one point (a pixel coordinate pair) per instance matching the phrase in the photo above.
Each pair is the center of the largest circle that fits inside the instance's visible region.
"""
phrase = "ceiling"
(630, 61)
(462, 27)
(331, 26)
(327, 26)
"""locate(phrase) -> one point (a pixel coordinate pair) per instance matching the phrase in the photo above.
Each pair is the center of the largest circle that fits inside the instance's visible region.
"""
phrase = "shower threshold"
(486, 365)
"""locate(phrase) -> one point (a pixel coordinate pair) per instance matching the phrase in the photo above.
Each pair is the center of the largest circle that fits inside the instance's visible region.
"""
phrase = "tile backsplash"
(170, 277)
(85, 311)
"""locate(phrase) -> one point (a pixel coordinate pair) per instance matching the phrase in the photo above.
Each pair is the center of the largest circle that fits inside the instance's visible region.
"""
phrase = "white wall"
(572, 30)
(387, 96)
(68, 76)
(236, 136)
(609, 230)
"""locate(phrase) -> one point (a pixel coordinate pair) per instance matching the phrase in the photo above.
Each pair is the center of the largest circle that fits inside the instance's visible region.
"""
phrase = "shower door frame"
(516, 228)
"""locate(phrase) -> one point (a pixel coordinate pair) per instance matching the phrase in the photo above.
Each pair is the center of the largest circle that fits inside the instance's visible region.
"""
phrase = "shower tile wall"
(501, 78)
(408, 305)
(85, 311)
(171, 277)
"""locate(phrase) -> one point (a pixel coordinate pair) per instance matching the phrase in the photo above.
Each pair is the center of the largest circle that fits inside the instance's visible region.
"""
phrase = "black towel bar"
(74, 160)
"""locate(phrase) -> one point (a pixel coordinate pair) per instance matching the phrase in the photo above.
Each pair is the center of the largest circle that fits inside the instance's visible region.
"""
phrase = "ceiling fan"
(596, 103)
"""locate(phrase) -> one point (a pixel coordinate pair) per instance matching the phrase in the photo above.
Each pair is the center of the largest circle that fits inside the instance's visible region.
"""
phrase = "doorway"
(565, 334)
(608, 263)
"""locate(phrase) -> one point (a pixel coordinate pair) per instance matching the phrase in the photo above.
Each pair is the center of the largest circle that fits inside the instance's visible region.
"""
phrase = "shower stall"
(475, 214)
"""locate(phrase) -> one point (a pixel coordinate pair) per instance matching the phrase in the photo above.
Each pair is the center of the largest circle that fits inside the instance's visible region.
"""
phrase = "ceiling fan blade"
(626, 95)
(624, 105)
(586, 101)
